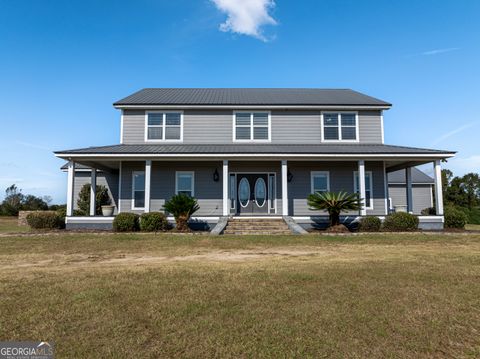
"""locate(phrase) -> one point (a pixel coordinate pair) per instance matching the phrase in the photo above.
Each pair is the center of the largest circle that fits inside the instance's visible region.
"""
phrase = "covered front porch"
(247, 186)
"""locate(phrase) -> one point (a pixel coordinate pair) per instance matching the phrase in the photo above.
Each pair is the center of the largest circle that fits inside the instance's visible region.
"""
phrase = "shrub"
(370, 224)
(153, 222)
(62, 212)
(430, 211)
(44, 220)
(126, 222)
(473, 214)
(400, 221)
(334, 203)
(455, 218)
(181, 206)
(101, 199)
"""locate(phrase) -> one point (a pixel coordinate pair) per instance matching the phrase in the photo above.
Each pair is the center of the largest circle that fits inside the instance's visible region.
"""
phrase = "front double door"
(252, 194)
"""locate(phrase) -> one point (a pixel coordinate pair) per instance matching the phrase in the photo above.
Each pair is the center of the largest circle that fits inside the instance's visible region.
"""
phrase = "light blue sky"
(63, 64)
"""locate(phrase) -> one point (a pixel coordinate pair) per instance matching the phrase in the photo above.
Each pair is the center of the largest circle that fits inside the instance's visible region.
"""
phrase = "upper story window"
(164, 126)
(138, 189)
(368, 187)
(184, 183)
(320, 181)
(251, 126)
(339, 126)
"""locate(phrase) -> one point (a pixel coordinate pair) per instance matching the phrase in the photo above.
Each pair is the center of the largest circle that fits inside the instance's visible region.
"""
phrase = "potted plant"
(107, 210)
(181, 206)
(102, 200)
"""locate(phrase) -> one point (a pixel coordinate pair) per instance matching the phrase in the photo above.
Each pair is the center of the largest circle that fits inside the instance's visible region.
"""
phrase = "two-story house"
(248, 153)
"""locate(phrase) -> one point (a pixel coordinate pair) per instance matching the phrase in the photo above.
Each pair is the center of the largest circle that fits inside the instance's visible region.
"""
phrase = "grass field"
(10, 225)
(122, 296)
(472, 227)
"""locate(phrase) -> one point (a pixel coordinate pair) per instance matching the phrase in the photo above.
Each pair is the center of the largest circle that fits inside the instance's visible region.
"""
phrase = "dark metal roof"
(250, 96)
(250, 148)
(78, 166)
(417, 177)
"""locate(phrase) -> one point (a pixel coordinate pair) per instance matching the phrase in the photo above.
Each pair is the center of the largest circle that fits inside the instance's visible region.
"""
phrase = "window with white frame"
(184, 183)
(368, 188)
(340, 126)
(163, 126)
(252, 126)
(138, 189)
(320, 181)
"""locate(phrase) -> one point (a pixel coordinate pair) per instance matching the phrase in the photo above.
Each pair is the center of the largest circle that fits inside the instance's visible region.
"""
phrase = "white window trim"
(163, 126)
(251, 127)
(192, 173)
(319, 173)
(133, 190)
(355, 186)
(357, 126)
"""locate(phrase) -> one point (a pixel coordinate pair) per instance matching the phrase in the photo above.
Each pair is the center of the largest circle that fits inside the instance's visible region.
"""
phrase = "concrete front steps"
(256, 226)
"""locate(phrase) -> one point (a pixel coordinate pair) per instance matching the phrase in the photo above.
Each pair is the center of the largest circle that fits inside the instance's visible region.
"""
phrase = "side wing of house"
(422, 190)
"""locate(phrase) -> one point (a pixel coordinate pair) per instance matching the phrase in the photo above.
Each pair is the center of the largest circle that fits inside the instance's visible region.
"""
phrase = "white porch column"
(226, 206)
(408, 181)
(70, 184)
(438, 188)
(385, 184)
(284, 188)
(361, 186)
(93, 191)
(148, 178)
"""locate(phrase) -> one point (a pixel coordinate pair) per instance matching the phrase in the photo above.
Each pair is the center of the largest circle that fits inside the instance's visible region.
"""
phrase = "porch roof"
(272, 150)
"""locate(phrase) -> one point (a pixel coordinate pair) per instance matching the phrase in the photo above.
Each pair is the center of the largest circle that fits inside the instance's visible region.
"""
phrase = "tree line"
(463, 193)
(16, 201)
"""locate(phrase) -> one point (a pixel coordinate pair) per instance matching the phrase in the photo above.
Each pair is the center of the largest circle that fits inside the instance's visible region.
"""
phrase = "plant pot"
(401, 208)
(107, 211)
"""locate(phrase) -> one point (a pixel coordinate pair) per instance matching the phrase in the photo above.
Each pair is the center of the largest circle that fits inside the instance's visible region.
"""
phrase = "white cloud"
(439, 51)
(434, 52)
(453, 132)
(246, 17)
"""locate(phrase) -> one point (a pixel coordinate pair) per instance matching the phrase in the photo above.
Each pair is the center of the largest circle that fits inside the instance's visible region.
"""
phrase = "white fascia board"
(265, 107)
(254, 155)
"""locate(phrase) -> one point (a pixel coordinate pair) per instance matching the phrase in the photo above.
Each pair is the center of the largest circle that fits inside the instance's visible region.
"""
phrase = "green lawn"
(129, 295)
(472, 227)
(10, 225)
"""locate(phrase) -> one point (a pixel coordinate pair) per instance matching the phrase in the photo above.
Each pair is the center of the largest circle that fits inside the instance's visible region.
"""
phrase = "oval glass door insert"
(244, 192)
(260, 192)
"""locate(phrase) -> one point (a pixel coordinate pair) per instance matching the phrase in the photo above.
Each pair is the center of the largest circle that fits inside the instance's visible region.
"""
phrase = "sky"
(63, 64)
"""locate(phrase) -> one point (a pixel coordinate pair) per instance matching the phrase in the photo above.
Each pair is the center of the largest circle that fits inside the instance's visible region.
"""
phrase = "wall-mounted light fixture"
(216, 176)
(289, 176)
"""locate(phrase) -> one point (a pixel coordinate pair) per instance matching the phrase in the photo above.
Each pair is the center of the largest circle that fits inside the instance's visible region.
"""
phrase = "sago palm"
(334, 203)
(181, 206)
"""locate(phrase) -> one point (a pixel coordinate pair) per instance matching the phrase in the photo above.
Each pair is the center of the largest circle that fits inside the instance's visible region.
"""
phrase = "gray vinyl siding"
(133, 126)
(208, 192)
(104, 179)
(296, 127)
(208, 127)
(341, 179)
(216, 126)
(422, 196)
(370, 130)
